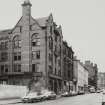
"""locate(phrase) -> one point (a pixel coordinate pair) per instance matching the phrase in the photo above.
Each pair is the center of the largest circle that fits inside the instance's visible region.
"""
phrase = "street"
(87, 99)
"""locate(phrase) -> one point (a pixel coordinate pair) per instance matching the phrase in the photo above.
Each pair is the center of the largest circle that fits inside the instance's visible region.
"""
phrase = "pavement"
(86, 99)
(9, 101)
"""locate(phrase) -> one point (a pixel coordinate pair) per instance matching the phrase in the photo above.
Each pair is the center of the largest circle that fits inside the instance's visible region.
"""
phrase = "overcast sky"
(82, 21)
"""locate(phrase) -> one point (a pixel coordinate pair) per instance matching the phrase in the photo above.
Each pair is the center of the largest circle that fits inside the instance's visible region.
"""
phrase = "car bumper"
(31, 100)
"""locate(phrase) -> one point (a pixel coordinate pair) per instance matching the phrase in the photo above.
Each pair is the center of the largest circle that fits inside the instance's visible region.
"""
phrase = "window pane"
(19, 43)
(6, 68)
(19, 67)
(4, 56)
(35, 40)
(38, 42)
(33, 68)
(2, 67)
(33, 55)
(6, 44)
(38, 54)
(15, 68)
(38, 67)
(16, 44)
(33, 43)
(19, 56)
(2, 45)
(15, 56)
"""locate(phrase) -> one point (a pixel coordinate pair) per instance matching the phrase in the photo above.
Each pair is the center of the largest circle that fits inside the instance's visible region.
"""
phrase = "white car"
(103, 92)
(32, 97)
(65, 94)
(48, 94)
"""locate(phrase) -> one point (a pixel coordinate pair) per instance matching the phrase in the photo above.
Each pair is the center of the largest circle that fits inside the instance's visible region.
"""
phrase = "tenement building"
(32, 50)
(93, 73)
(101, 80)
(68, 78)
(81, 76)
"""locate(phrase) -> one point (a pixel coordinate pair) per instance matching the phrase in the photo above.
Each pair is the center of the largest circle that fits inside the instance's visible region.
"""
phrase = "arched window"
(35, 40)
(16, 42)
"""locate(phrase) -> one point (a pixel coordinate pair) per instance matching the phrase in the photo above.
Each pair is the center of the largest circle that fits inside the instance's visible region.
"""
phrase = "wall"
(12, 91)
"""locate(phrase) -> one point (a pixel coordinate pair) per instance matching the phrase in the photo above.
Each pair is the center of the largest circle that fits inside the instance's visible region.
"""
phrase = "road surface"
(87, 99)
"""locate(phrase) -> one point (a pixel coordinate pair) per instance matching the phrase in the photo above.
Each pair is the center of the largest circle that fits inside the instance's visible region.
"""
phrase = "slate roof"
(42, 21)
(4, 32)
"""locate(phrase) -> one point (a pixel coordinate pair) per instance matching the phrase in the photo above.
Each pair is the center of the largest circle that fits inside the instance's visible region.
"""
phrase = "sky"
(82, 21)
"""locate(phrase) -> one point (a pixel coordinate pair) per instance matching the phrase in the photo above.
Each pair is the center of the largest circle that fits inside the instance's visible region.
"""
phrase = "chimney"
(26, 8)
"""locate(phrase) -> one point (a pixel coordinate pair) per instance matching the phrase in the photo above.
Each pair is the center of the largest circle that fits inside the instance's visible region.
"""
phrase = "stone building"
(32, 50)
(101, 80)
(93, 73)
(81, 76)
(67, 67)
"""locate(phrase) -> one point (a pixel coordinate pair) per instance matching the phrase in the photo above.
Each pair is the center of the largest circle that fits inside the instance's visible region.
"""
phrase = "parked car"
(48, 95)
(66, 94)
(103, 99)
(103, 91)
(80, 92)
(98, 91)
(32, 97)
(73, 93)
(92, 90)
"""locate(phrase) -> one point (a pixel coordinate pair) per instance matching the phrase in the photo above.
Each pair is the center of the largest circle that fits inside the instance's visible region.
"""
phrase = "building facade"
(101, 80)
(68, 55)
(93, 73)
(81, 75)
(34, 51)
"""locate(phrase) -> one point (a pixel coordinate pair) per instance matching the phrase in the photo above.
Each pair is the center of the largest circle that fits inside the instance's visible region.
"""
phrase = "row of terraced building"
(35, 50)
